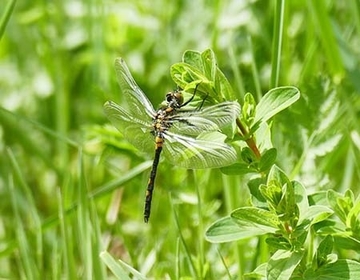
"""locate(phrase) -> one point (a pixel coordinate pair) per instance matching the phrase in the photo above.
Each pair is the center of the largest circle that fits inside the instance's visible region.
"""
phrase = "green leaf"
(256, 217)
(259, 272)
(324, 249)
(272, 193)
(340, 204)
(263, 136)
(339, 270)
(254, 187)
(353, 217)
(184, 74)
(210, 68)
(248, 109)
(316, 214)
(287, 208)
(247, 155)
(300, 198)
(279, 243)
(343, 240)
(318, 198)
(277, 175)
(274, 101)
(238, 169)
(222, 87)
(188, 77)
(202, 69)
(194, 59)
(226, 91)
(267, 159)
(329, 227)
(283, 263)
(227, 230)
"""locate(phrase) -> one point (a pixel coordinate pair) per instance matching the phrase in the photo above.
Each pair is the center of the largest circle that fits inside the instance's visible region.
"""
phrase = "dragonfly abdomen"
(150, 187)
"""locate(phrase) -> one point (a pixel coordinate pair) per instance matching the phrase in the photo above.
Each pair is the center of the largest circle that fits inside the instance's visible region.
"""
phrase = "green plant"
(280, 208)
(299, 229)
(71, 187)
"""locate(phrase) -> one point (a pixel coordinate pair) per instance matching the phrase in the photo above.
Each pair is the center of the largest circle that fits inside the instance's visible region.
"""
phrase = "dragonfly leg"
(192, 97)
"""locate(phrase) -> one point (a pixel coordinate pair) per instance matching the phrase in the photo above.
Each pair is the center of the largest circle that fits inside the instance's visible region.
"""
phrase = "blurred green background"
(58, 150)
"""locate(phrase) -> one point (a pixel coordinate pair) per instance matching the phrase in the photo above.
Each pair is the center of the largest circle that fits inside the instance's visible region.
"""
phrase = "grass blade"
(6, 16)
(277, 42)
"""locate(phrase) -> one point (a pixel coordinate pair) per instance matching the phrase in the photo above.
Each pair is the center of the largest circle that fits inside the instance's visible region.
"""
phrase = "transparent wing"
(135, 130)
(194, 153)
(137, 101)
(209, 119)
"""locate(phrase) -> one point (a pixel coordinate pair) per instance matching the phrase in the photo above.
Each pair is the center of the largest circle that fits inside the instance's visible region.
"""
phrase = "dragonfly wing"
(222, 113)
(135, 130)
(135, 98)
(209, 119)
(192, 153)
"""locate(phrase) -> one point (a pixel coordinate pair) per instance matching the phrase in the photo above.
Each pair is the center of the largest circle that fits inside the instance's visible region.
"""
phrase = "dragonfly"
(180, 134)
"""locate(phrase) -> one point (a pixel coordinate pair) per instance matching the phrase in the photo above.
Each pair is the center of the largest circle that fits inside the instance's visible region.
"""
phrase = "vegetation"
(72, 189)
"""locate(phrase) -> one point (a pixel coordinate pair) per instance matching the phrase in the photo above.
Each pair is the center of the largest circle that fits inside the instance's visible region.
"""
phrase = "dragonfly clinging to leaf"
(180, 135)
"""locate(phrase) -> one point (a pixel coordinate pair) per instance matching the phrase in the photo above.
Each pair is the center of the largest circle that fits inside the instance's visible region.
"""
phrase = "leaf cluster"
(280, 208)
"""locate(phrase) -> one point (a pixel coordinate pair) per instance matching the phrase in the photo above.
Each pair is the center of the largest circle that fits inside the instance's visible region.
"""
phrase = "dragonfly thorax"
(161, 122)
(174, 100)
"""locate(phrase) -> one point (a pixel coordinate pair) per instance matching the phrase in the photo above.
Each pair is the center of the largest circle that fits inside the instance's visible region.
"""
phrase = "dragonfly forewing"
(137, 101)
(135, 130)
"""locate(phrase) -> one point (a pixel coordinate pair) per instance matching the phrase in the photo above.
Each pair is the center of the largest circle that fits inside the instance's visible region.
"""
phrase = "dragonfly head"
(174, 99)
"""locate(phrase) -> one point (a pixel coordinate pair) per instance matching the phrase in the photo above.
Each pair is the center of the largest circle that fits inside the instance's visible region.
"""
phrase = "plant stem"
(250, 141)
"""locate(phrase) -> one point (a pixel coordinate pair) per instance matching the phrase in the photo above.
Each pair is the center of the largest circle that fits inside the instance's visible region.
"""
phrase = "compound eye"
(169, 97)
(179, 97)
